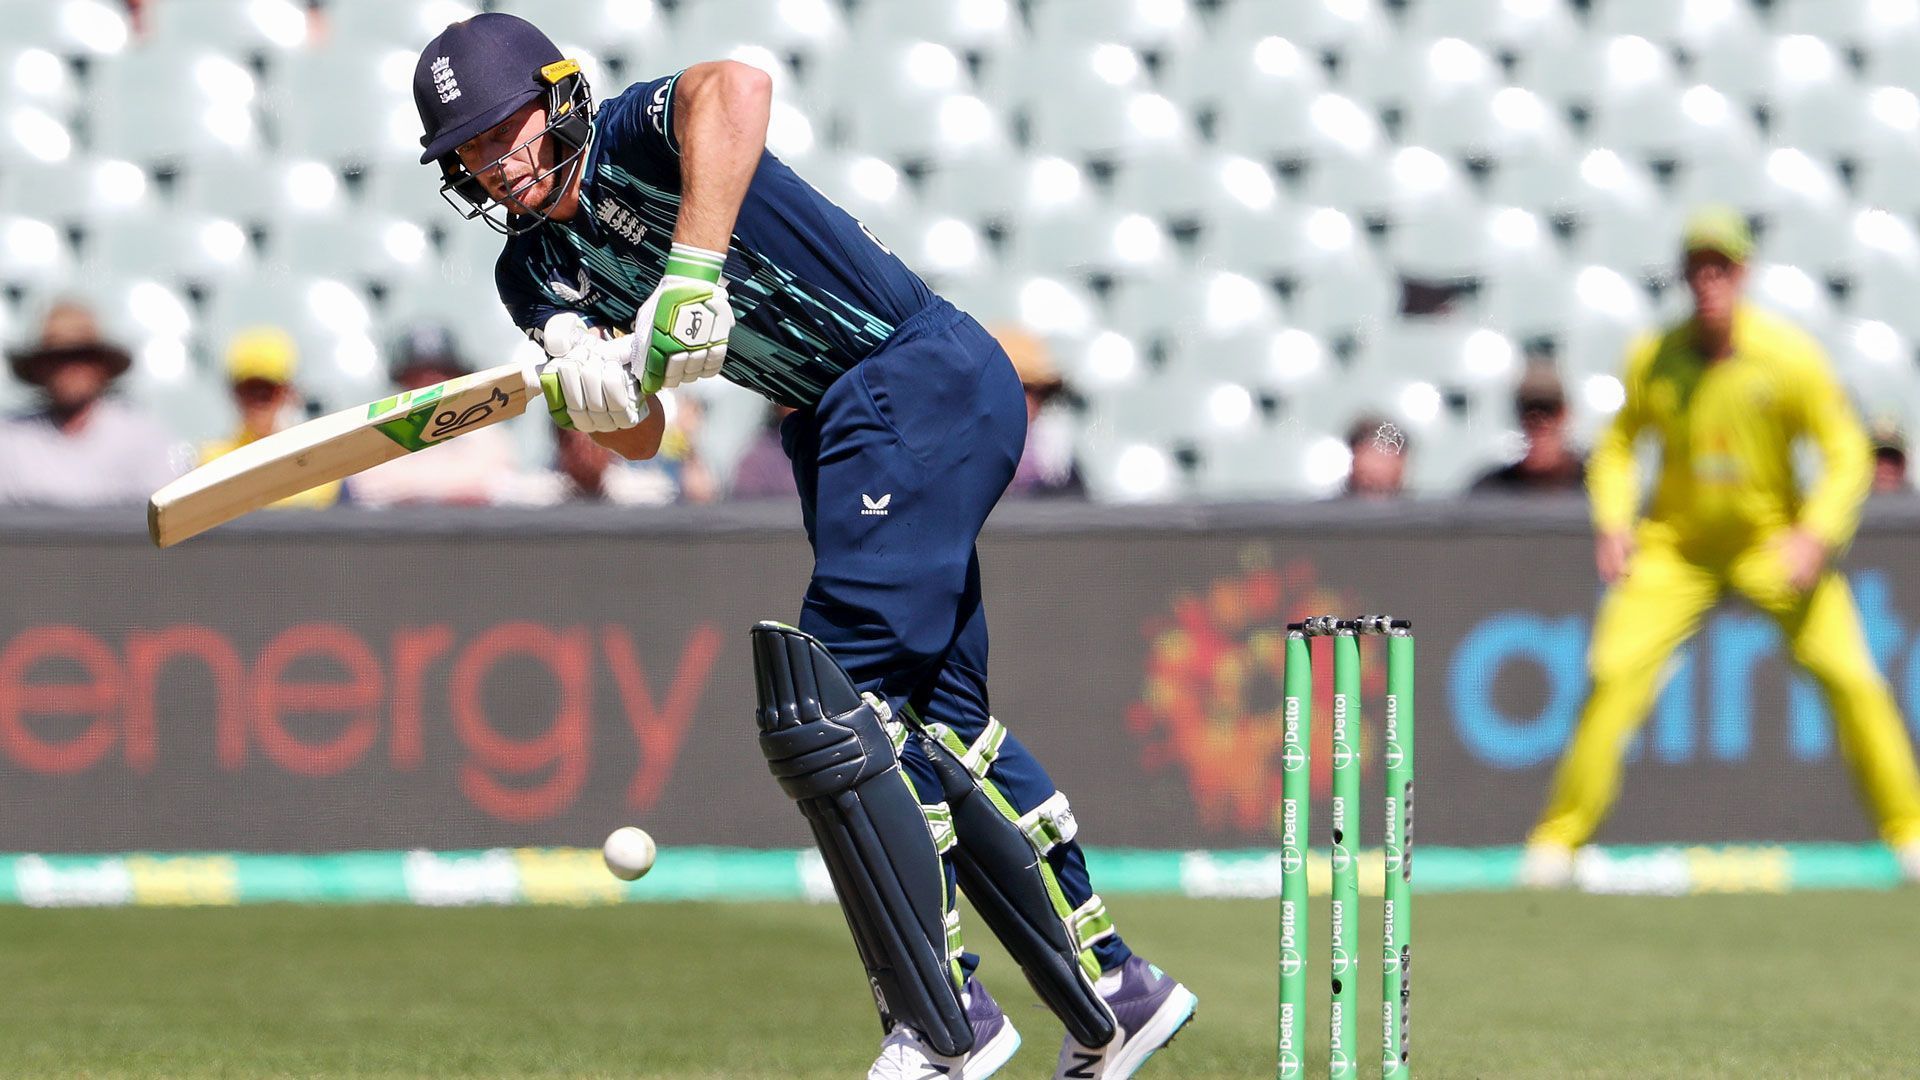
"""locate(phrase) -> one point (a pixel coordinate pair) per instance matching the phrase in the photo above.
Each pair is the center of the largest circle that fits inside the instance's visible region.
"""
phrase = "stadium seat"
(35, 255)
(1663, 122)
(1579, 72)
(179, 248)
(608, 27)
(370, 116)
(1323, 26)
(1498, 25)
(1305, 128)
(1201, 305)
(1486, 123)
(156, 105)
(1155, 25)
(1394, 72)
(70, 28)
(977, 25)
(406, 23)
(32, 75)
(1218, 72)
(1749, 65)
(1092, 101)
(1674, 22)
(1631, 229)
(1284, 240)
(910, 101)
(253, 190)
(241, 28)
(1892, 58)
(810, 29)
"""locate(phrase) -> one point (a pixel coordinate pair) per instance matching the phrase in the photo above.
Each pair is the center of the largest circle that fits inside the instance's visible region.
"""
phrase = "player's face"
(1715, 281)
(514, 163)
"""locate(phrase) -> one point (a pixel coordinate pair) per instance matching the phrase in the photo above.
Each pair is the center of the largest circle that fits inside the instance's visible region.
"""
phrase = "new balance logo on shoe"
(1084, 1067)
(873, 507)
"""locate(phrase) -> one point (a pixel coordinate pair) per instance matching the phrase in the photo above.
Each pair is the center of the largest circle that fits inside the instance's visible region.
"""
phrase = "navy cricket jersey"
(813, 292)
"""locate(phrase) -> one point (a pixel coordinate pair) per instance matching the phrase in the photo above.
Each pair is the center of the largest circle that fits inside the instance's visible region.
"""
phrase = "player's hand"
(1611, 553)
(686, 322)
(589, 380)
(1805, 557)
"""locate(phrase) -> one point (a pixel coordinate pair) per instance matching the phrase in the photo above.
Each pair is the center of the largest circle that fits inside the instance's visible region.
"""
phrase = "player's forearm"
(641, 442)
(720, 121)
(1832, 509)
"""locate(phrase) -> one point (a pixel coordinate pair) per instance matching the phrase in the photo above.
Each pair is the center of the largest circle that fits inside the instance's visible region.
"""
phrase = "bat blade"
(334, 447)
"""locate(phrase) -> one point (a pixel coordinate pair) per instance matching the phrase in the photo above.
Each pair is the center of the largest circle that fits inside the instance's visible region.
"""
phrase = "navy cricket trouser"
(898, 467)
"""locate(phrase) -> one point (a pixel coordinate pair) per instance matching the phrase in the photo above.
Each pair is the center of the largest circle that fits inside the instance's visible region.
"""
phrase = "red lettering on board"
(148, 651)
(562, 748)
(20, 699)
(357, 695)
(658, 729)
(413, 649)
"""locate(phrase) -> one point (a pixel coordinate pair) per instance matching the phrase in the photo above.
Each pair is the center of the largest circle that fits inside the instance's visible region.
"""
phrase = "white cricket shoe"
(1148, 1007)
(903, 1056)
(1909, 856)
(1546, 866)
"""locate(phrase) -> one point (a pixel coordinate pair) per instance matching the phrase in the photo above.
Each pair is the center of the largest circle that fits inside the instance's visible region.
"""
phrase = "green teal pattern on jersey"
(408, 429)
(791, 341)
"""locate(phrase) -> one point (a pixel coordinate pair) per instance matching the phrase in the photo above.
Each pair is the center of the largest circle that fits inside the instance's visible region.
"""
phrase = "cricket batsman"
(653, 241)
(1728, 393)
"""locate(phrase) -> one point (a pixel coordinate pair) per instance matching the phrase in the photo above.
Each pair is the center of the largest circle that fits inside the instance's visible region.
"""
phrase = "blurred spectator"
(80, 447)
(1047, 467)
(260, 366)
(764, 471)
(679, 447)
(583, 471)
(1380, 450)
(1550, 463)
(469, 470)
(1889, 457)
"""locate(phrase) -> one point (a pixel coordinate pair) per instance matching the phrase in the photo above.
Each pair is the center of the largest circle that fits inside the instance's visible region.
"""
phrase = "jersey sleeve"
(637, 126)
(1613, 475)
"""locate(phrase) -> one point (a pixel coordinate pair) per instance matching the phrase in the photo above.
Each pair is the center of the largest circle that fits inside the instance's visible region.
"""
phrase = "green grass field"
(1810, 984)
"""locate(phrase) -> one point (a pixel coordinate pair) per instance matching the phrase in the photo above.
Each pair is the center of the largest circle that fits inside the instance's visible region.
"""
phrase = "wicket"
(1396, 906)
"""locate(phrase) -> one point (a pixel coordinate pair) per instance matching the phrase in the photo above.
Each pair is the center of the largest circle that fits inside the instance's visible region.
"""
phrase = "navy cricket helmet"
(476, 74)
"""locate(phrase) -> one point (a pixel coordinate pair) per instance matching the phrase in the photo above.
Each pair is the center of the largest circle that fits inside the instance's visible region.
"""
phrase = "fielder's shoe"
(903, 1056)
(1909, 856)
(1151, 1009)
(1546, 866)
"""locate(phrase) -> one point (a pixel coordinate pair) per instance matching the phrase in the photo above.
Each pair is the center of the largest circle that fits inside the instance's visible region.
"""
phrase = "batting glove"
(588, 380)
(687, 320)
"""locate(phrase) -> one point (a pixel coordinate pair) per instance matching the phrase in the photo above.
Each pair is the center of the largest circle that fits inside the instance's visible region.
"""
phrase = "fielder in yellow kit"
(1728, 392)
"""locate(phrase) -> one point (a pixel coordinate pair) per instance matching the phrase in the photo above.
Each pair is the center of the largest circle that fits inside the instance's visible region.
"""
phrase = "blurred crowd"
(80, 445)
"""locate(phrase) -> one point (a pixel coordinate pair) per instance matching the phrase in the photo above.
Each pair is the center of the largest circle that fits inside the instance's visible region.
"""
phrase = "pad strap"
(1050, 824)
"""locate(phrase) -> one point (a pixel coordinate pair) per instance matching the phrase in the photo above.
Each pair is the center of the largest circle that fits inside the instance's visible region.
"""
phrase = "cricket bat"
(335, 447)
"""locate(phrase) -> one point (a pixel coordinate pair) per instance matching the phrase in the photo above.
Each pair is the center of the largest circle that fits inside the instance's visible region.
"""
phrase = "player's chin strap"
(1000, 857)
(833, 753)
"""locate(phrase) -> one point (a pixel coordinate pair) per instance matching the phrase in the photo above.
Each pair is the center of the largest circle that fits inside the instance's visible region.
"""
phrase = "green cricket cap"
(1719, 228)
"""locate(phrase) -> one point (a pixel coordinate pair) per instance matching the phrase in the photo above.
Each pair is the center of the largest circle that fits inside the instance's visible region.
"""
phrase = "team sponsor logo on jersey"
(657, 106)
(620, 218)
(444, 83)
(580, 291)
(872, 507)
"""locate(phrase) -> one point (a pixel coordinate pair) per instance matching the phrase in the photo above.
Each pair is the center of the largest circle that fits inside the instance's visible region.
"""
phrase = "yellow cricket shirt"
(1727, 430)
(311, 499)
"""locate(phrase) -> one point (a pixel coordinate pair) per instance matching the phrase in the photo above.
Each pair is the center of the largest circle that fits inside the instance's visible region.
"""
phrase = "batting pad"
(832, 754)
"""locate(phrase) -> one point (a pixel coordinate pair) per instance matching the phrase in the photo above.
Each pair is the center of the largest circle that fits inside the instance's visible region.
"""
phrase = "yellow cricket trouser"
(1659, 605)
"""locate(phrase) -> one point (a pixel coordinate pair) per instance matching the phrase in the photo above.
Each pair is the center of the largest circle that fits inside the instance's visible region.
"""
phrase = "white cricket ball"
(629, 853)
